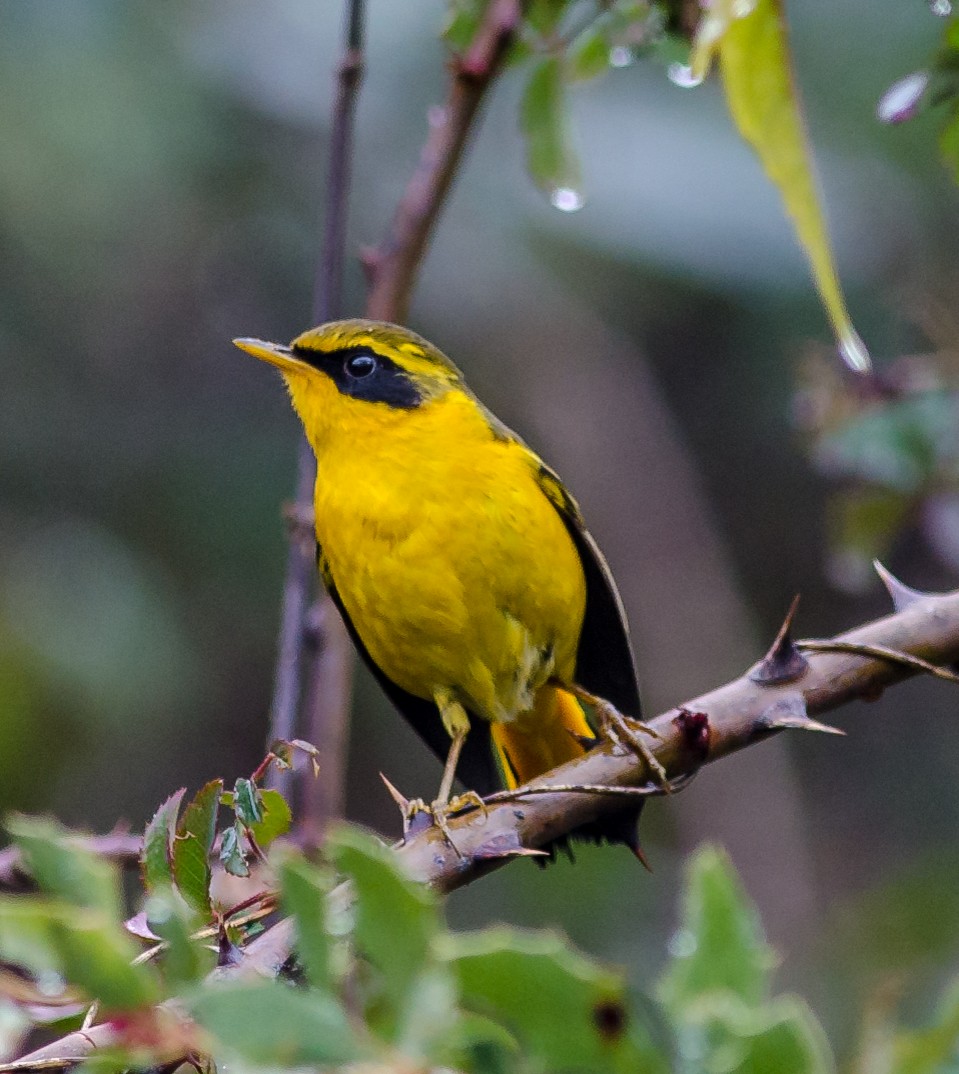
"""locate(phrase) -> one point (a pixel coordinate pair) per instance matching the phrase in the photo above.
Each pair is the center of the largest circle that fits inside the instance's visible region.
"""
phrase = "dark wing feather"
(477, 766)
(604, 659)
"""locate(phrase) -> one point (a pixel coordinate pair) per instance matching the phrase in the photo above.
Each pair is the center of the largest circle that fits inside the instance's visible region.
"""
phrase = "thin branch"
(392, 267)
(326, 708)
(119, 846)
(703, 730)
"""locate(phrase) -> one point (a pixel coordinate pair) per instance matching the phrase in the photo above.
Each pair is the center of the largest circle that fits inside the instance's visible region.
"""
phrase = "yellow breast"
(455, 569)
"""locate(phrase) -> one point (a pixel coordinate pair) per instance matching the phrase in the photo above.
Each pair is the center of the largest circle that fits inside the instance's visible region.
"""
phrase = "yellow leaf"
(750, 39)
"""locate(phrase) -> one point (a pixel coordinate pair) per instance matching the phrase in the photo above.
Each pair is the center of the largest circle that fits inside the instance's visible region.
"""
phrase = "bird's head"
(356, 373)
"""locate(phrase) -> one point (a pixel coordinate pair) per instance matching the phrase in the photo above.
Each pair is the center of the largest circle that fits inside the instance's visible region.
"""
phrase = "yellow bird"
(460, 563)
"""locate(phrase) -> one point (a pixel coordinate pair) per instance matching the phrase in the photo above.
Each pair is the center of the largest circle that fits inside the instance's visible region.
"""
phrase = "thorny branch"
(747, 710)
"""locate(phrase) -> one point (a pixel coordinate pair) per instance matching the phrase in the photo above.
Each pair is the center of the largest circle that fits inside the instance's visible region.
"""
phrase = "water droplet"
(854, 352)
(903, 98)
(682, 943)
(50, 983)
(566, 199)
(742, 8)
(680, 74)
(620, 56)
(942, 8)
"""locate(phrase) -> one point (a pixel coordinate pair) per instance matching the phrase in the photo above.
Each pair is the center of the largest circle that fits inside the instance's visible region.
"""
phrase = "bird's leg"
(457, 724)
(621, 730)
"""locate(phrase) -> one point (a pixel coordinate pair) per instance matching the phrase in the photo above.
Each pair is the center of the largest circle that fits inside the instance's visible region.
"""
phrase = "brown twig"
(119, 846)
(325, 708)
(392, 267)
(706, 729)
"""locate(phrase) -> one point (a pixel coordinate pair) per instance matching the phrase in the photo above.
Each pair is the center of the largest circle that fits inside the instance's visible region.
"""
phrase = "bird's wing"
(604, 658)
(477, 767)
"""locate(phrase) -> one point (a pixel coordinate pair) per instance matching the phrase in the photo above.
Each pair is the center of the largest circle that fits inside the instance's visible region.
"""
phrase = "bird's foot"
(623, 731)
(439, 813)
(418, 815)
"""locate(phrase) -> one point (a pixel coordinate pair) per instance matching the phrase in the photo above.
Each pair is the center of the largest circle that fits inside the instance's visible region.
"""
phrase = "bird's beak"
(274, 353)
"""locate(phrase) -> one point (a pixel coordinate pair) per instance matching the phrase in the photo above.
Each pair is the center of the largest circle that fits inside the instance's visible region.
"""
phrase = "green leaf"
(566, 1012)
(98, 958)
(719, 945)
(550, 159)
(156, 861)
(275, 820)
(396, 919)
(303, 891)
(462, 22)
(588, 55)
(750, 38)
(26, 938)
(192, 845)
(272, 1024)
(232, 857)
(63, 868)
(430, 1020)
(898, 445)
(544, 16)
(930, 1050)
(246, 802)
(792, 1042)
(185, 960)
(949, 145)
(81, 946)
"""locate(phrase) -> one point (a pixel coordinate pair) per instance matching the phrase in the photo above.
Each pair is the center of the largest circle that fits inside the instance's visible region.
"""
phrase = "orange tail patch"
(546, 739)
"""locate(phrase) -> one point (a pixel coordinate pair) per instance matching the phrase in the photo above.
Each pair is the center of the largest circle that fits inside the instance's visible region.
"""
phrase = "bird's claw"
(622, 731)
(439, 813)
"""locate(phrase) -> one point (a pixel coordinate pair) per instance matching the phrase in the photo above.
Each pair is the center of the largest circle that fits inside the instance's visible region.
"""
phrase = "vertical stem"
(326, 705)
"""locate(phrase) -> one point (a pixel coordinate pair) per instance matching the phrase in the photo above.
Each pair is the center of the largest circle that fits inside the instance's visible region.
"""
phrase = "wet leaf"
(550, 158)
(192, 845)
(63, 868)
(275, 819)
(272, 1024)
(720, 944)
(750, 39)
(156, 861)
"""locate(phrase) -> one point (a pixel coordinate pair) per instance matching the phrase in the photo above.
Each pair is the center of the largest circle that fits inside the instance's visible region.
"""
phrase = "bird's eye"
(360, 365)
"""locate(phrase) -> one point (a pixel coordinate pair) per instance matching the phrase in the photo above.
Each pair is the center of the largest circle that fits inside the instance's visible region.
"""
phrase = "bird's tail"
(549, 736)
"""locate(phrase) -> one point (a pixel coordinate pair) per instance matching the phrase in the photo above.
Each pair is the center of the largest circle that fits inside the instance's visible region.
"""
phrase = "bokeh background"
(160, 177)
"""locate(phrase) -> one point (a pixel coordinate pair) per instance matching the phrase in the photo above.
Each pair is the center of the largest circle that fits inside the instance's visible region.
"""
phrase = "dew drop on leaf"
(901, 101)
(682, 943)
(681, 74)
(566, 199)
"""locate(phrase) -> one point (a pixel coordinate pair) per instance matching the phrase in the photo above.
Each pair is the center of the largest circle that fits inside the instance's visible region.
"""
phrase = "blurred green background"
(160, 178)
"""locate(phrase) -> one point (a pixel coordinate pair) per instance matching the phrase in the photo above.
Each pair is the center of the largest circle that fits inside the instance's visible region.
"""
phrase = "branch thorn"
(783, 662)
(790, 713)
(902, 595)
